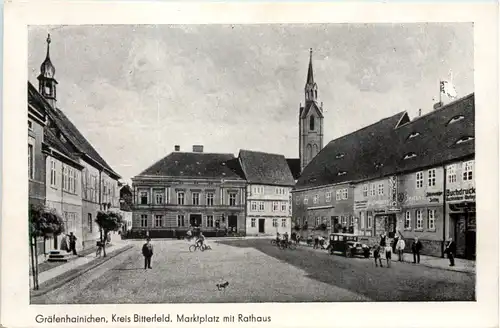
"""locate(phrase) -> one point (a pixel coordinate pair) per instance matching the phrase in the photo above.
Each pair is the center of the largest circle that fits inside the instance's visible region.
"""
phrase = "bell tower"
(310, 120)
(46, 81)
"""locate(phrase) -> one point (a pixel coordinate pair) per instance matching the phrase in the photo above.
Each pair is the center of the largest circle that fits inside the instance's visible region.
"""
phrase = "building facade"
(190, 189)
(270, 182)
(78, 181)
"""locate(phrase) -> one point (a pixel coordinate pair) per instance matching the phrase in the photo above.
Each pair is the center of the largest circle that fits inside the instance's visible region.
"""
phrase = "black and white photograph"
(262, 163)
(232, 163)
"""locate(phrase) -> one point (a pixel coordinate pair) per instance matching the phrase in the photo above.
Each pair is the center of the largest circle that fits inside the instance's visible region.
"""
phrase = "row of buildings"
(65, 172)
(400, 176)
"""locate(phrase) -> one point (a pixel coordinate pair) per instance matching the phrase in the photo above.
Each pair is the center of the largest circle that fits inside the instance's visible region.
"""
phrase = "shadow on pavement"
(401, 282)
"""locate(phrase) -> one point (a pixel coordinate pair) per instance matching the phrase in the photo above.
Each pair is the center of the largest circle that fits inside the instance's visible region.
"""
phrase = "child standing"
(388, 255)
(376, 256)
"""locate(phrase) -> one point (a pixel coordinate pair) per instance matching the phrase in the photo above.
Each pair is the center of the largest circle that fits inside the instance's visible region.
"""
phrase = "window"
(283, 207)
(342, 173)
(311, 123)
(275, 223)
(65, 178)
(306, 200)
(180, 220)
(53, 172)
(252, 223)
(431, 219)
(30, 125)
(338, 195)
(410, 155)
(144, 197)
(328, 196)
(456, 119)
(365, 190)
(420, 179)
(370, 221)
(467, 171)
(144, 220)
(339, 156)
(413, 135)
(210, 199)
(275, 206)
(451, 172)
(159, 198)
(464, 139)
(31, 162)
(345, 194)
(210, 221)
(283, 223)
(431, 178)
(89, 222)
(232, 199)
(158, 220)
(318, 221)
(343, 219)
(180, 198)
(253, 206)
(380, 189)
(419, 224)
(315, 199)
(261, 206)
(196, 198)
(297, 200)
(407, 225)
(372, 189)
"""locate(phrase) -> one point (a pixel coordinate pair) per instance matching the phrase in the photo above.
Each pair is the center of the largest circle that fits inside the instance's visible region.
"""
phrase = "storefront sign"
(429, 198)
(393, 192)
(460, 195)
(360, 204)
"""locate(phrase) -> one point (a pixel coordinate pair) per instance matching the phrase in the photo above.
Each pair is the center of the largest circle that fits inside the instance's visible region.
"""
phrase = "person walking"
(383, 240)
(376, 256)
(147, 252)
(72, 243)
(388, 255)
(400, 247)
(450, 250)
(395, 243)
(415, 249)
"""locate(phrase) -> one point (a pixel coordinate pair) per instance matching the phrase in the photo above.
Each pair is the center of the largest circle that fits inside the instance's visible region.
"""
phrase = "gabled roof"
(294, 165)
(358, 155)
(443, 135)
(310, 105)
(69, 130)
(193, 165)
(51, 140)
(380, 149)
(265, 168)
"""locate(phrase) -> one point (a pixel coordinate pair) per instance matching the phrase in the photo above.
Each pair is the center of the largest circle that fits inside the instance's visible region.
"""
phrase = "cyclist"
(201, 240)
(278, 238)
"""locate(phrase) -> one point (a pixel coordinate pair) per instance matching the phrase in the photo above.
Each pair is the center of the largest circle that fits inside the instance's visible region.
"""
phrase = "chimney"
(197, 148)
(177, 148)
(420, 112)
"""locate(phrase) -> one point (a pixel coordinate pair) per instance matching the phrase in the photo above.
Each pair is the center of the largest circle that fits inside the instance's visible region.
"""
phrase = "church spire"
(46, 81)
(311, 89)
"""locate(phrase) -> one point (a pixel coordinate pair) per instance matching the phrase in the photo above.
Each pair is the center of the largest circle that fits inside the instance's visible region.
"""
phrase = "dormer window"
(311, 123)
(342, 173)
(312, 180)
(456, 119)
(339, 156)
(410, 155)
(465, 139)
(413, 135)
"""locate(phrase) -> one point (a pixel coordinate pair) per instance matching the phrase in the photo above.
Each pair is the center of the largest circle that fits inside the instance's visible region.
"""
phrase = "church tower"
(310, 121)
(46, 81)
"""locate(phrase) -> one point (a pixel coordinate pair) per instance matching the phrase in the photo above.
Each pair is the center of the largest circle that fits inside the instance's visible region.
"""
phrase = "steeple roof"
(47, 69)
(310, 76)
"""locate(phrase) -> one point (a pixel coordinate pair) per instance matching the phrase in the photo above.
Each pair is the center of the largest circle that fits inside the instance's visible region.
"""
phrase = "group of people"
(398, 246)
(282, 239)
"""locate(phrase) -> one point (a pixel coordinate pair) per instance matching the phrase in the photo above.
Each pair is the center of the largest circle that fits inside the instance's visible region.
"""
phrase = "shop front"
(461, 210)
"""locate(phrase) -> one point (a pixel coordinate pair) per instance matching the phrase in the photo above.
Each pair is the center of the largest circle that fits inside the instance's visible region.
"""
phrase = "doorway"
(195, 220)
(232, 223)
(262, 223)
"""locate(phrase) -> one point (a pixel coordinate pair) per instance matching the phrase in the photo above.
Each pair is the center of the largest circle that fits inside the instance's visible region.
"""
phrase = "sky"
(136, 91)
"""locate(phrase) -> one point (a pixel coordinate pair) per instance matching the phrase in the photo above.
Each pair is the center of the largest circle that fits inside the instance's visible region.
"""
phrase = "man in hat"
(147, 252)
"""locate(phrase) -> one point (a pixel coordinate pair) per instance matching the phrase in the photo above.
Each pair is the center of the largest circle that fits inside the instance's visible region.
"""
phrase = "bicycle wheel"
(193, 248)
(202, 248)
(292, 246)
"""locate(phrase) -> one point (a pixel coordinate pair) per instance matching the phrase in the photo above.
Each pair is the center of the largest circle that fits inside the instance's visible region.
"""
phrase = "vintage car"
(348, 245)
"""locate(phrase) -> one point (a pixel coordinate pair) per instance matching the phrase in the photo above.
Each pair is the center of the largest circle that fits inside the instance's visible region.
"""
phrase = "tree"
(108, 221)
(43, 222)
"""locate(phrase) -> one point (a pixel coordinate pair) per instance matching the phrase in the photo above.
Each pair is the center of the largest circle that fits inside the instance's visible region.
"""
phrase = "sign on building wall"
(393, 194)
(460, 195)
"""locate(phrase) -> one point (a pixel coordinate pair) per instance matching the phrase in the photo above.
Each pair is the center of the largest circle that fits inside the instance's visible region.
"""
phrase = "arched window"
(309, 151)
(315, 150)
(311, 123)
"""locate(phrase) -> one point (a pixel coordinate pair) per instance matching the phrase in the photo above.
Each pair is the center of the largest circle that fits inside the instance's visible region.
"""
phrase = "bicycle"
(202, 248)
(288, 244)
